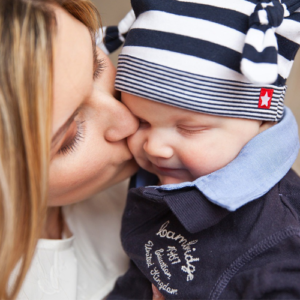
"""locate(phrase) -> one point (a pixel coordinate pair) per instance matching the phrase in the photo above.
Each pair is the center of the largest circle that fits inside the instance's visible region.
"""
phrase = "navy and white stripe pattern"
(261, 49)
(195, 92)
(188, 53)
(111, 38)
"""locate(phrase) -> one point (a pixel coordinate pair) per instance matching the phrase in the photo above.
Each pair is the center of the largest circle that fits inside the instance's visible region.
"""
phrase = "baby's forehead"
(152, 110)
(165, 114)
(188, 117)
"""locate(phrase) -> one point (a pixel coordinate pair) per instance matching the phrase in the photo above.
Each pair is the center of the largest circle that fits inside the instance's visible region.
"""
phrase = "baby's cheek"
(135, 144)
(189, 157)
(196, 162)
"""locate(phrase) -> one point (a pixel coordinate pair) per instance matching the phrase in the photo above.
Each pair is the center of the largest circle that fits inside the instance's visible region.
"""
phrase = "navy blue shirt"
(192, 247)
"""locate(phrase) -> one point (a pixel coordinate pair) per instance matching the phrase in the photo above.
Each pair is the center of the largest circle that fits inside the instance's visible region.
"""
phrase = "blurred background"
(112, 11)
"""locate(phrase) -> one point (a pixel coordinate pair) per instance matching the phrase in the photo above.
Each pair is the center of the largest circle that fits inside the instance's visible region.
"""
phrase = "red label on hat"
(265, 98)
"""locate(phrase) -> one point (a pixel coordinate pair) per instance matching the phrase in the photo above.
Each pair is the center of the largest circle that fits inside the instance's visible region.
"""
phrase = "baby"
(220, 218)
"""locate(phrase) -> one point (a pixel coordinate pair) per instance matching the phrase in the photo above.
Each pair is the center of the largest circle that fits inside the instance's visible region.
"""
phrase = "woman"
(63, 139)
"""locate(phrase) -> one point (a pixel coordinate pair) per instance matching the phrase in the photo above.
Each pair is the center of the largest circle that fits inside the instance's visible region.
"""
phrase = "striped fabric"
(111, 38)
(188, 53)
(261, 50)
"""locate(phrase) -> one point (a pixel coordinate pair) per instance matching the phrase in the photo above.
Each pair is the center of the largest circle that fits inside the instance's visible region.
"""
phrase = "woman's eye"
(71, 142)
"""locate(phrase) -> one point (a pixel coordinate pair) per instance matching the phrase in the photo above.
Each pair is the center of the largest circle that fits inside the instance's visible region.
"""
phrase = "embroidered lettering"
(148, 249)
(164, 233)
(173, 255)
(189, 268)
(159, 253)
(162, 286)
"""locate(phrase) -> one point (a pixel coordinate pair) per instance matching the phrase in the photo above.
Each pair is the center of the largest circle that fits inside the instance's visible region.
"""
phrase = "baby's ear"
(110, 38)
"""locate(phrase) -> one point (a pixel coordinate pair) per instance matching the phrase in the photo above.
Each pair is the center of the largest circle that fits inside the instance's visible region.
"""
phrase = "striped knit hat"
(221, 57)
(110, 38)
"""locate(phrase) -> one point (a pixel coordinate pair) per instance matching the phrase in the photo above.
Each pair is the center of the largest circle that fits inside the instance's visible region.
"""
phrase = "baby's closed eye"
(190, 130)
(143, 123)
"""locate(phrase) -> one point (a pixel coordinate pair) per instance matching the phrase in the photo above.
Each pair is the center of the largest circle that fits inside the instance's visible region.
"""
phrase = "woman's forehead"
(73, 66)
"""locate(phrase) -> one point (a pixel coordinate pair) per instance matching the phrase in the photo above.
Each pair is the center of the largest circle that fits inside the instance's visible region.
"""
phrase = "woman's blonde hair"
(27, 40)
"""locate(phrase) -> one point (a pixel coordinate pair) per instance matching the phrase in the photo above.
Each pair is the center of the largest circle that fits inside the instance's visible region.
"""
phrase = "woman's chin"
(129, 169)
(80, 191)
(124, 171)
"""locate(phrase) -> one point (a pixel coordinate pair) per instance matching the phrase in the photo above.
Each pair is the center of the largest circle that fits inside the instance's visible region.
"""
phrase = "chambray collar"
(262, 163)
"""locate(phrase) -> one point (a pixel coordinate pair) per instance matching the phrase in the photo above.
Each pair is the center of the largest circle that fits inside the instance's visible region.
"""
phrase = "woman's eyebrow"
(59, 133)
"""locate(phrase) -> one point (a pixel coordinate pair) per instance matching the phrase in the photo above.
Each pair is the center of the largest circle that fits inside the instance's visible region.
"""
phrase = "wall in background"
(112, 11)
(293, 98)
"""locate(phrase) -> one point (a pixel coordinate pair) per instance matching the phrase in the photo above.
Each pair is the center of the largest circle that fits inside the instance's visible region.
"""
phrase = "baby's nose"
(158, 147)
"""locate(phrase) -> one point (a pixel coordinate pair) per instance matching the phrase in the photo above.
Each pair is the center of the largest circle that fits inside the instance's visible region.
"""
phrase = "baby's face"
(180, 145)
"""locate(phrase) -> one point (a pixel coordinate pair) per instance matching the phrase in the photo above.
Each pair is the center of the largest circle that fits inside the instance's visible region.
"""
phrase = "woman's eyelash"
(71, 147)
(99, 69)
(100, 65)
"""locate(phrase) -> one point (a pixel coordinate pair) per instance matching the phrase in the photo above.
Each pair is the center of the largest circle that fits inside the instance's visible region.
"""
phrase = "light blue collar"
(262, 163)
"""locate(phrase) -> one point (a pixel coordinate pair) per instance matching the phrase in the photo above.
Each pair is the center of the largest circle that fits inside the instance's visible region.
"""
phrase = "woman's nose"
(122, 125)
(157, 146)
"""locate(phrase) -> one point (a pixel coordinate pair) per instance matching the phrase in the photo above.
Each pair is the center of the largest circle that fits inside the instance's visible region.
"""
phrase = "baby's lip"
(165, 169)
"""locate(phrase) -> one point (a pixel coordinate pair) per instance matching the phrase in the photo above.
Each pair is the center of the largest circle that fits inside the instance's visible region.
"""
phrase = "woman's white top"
(85, 266)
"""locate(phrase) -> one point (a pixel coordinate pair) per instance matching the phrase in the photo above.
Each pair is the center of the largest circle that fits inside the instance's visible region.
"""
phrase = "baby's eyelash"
(143, 123)
(191, 131)
(71, 147)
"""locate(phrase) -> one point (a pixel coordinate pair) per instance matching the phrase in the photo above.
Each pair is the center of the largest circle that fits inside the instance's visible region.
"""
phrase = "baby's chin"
(163, 180)
(168, 177)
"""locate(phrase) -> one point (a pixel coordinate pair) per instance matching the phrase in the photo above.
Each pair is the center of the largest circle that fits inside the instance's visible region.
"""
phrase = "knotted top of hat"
(260, 54)
(229, 58)
(110, 38)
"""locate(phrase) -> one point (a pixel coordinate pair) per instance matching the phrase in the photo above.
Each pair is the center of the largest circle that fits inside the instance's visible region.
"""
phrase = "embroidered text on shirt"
(160, 253)
(189, 268)
(162, 286)
(148, 248)
(173, 255)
